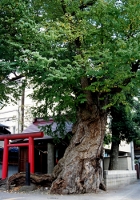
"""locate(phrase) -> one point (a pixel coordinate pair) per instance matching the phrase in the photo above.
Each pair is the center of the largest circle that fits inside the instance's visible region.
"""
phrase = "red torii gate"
(30, 144)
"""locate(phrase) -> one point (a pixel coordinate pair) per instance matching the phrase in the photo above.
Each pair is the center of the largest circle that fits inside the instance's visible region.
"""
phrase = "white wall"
(124, 163)
(11, 114)
(114, 179)
(122, 147)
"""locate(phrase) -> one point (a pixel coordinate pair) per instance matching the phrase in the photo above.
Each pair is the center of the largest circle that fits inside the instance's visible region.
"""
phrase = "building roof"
(3, 129)
(37, 125)
(1, 125)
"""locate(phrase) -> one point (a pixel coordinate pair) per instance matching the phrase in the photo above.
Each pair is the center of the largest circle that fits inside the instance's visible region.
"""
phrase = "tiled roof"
(38, 124)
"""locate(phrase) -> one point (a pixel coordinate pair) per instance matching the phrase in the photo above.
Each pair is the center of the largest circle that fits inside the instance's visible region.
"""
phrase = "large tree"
(136, 118)
(123, 128)
(85, 55)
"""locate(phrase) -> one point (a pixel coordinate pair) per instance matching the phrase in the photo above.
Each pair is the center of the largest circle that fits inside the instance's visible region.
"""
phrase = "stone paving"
(128, 192)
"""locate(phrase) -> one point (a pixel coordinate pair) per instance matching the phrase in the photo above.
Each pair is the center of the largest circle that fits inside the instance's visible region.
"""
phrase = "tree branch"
(135, 66)
(81, 7)
(84, 84)
(16, 77)
(63, 6)
(85, 5)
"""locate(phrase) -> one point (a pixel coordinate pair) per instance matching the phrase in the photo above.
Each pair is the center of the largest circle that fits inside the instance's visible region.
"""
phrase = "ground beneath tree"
(39, 184)
(127, 192)
(17, 183)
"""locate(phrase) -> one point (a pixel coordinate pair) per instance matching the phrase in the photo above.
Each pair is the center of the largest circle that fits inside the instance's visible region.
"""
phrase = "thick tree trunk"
(113, 163)
(79, 171)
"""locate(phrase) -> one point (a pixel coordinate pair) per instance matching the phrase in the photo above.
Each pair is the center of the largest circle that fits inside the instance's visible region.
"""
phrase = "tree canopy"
(18, 35)
(98, 40)
(136, 118)
(124, 120)
(80, 57)
(123, 128)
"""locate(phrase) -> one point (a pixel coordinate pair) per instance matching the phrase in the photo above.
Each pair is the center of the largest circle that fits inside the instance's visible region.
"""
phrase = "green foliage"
(19, 31)
(136, 118)
(97, 42)
(123, 126)
(55, 44)
(124, 123)
(107, 139)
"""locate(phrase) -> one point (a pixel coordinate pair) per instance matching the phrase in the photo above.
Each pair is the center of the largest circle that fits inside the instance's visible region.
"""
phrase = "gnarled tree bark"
(79, 171)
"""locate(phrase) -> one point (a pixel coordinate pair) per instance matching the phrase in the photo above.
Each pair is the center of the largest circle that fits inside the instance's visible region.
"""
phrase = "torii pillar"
(30, 144)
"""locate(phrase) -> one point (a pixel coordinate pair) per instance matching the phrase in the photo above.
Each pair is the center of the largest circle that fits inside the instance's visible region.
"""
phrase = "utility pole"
(132, 155)
(22, 108)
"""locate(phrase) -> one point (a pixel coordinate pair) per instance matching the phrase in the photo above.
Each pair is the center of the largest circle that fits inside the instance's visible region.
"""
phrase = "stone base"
(27, 188)
(117, 178)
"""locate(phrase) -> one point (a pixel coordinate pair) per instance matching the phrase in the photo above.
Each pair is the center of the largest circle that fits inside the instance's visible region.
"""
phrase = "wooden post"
(27, 173)
(31, 154)
(5, 159)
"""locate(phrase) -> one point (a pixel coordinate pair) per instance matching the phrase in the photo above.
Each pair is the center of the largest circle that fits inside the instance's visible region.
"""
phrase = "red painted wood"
(30, 144)
(18, 145)
(31, 154)
(5, 159)
(22, 136)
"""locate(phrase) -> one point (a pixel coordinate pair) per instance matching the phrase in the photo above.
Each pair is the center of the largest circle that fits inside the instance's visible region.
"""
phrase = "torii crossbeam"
(29, 144)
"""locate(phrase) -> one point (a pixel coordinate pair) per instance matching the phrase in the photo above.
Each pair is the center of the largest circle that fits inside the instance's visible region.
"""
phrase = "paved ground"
(129, 192)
